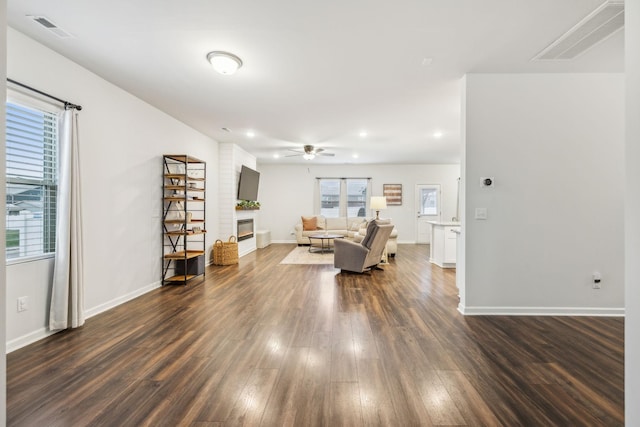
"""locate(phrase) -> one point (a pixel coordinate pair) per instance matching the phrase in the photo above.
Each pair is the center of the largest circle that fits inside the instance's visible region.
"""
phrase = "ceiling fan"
(310, 152)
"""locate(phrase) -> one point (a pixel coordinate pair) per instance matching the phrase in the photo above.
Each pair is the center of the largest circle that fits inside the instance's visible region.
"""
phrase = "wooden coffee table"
(325, 240)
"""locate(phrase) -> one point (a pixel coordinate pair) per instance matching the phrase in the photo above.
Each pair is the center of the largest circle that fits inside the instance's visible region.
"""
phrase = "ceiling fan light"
(224, 62)
(308, 156)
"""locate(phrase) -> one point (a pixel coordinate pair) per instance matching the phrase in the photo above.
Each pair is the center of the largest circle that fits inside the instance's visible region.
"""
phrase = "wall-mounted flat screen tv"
(248, 184)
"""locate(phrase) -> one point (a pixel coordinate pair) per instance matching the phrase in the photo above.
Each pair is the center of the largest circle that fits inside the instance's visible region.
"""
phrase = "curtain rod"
(67, 105)
(343, 177)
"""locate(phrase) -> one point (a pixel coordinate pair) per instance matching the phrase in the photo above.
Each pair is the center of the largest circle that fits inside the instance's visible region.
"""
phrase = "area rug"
(301, 255)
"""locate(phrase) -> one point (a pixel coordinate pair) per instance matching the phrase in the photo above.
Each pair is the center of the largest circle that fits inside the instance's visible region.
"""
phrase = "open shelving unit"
(183, 218)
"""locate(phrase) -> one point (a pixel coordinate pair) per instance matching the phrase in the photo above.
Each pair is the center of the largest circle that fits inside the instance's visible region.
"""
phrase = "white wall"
(287, 192)
(632, 220)
(555, 145)
(3, 279)
(122, 140)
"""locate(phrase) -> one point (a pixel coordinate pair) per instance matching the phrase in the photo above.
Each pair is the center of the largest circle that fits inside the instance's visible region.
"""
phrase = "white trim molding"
(541, 311)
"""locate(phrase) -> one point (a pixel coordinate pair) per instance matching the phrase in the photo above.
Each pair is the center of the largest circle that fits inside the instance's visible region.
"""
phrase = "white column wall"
(555, 145)
(287, 192)
(122, 140)
(3, 278)
(232, 158)
(632, 220)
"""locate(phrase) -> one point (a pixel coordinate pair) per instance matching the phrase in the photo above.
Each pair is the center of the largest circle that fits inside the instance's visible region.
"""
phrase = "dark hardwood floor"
(266, 344)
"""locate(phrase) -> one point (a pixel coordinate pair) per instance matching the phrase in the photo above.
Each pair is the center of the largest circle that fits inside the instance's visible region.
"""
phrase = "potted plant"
(247, 205)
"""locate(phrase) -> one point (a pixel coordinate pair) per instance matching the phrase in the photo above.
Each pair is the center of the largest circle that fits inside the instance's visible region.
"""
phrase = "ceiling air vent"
(46, 23)
(596, 27)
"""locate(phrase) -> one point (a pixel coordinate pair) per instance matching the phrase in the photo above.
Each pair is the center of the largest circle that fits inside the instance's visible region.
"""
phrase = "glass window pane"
(356, 197)
(31, 175)
(429, 201)
(330, 198)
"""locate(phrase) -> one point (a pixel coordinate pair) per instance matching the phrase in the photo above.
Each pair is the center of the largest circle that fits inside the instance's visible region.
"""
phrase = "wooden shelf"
(181, 199)
(184, 185)
(188, 254)
(182, 221)
(183, 158)
(181, 278)
(183, 188)
(183, 177)
(240, 208)
(184, 233)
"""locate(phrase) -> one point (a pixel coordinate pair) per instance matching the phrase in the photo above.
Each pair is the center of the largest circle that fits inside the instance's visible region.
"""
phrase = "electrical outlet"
(597, 279)
(23, 304)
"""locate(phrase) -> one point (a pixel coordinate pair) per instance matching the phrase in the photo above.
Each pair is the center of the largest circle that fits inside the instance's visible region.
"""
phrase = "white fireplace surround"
(230, 162)
(248, 245)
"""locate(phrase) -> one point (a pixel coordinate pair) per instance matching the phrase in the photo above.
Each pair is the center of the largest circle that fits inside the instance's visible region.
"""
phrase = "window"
(428, 201)
(357, 197)
(32, 178)
(330, 198)
(343, 196)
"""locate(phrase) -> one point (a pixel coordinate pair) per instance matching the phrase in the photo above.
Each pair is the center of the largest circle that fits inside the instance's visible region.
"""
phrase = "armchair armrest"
(348, 255)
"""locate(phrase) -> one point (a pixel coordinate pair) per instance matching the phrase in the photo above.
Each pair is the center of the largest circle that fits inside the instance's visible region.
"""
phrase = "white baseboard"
(246, 252)
(29, 338)
(541, 311)
(121, 300)
(41, 333)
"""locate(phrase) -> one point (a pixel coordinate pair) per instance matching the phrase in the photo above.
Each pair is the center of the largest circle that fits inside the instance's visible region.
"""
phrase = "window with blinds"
(343, 196)
(32, 179)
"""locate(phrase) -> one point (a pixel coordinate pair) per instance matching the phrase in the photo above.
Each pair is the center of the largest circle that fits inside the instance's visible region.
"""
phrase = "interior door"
(428, 209)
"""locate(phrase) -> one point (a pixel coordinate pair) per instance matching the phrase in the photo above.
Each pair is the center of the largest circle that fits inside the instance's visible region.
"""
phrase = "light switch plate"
(481, 213)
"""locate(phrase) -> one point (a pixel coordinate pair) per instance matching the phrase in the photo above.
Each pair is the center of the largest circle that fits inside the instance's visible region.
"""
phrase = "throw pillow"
(355, 225)
(309, 223)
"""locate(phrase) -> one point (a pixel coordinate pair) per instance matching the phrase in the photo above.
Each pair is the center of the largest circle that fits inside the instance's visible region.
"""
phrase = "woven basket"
(225, 253)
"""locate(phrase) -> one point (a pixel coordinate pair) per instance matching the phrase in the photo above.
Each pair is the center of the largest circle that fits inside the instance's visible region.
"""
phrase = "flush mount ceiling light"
(224, 62)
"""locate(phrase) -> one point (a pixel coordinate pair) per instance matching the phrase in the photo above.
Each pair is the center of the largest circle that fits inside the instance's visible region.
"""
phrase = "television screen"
(248, 184)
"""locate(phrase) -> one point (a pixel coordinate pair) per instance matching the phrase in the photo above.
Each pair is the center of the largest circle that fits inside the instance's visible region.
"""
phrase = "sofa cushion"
(309, 223)
(339, 223)
(354, 224)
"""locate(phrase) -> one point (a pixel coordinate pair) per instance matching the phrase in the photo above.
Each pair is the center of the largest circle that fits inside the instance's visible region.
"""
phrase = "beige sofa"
(343, 226)
(351, 228)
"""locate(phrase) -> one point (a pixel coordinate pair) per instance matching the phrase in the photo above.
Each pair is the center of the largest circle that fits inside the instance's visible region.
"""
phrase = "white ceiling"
(315, 72)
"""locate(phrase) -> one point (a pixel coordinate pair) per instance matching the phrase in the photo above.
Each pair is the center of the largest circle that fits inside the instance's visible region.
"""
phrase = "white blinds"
(31, 174)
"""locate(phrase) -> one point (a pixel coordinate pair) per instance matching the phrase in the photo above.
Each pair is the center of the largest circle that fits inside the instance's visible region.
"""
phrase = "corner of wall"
(3, 278)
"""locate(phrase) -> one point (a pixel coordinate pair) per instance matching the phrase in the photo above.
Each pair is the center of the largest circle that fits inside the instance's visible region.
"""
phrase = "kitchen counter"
(443, 249)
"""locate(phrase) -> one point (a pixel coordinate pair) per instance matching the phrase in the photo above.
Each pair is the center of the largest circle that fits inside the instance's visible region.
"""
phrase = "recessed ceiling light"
(437, 134)
(355, 156)
(251, 134)
(276, 156)
(224, 62)
(362, 134)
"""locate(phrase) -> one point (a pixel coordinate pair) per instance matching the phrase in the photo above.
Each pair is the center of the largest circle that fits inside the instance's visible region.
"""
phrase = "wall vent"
(49, 25)
(596, 27)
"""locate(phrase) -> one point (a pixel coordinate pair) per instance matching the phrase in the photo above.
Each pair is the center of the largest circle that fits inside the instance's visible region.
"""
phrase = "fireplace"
(245, 229)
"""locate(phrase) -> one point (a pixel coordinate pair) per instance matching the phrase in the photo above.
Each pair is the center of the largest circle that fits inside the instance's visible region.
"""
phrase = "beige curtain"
(67, 292)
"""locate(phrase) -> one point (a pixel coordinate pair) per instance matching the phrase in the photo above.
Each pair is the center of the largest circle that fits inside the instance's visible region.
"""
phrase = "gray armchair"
(362, 256)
